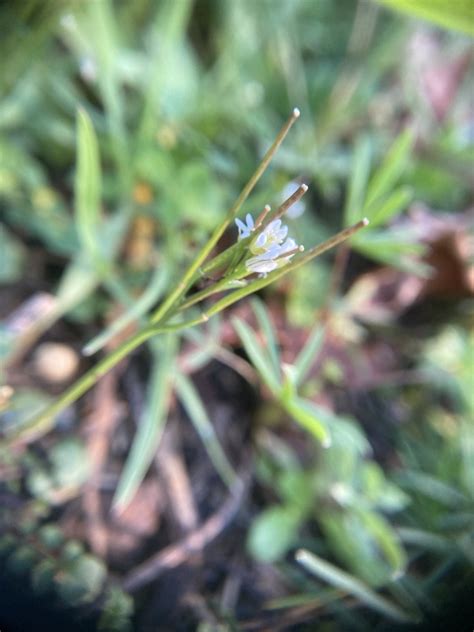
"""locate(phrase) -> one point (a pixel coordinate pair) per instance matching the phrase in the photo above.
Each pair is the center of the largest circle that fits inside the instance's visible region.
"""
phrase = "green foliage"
(117, 113)
(196, 410)
(380, 199)
(273, 533)
(66, 470)
(62, 571)
(267, 362)
(152, 424)
(88, 188)
(352, 488)
(349, 584)
(457, 15)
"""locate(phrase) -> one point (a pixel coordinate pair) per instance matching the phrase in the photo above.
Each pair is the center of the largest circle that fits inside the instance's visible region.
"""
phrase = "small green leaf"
(432, 487)
(81, 580)
(151, 426)
(306, 414)
(267, 328)
(394, 204)
(353, 211)
(457, 15)
(149, 297)
(197, 413)
(51, 536)
(350, 584)
(257, 355)
(307, 355)
(424, 539)
(87, 185)
(390, 171)
(273, 533)
(386, 539)
(12, 257)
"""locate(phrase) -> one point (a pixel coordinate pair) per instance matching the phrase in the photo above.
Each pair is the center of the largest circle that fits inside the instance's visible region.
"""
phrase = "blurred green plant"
(179, 96)
(61, 570)
(351, 488)
(457, 15)
(234, 267)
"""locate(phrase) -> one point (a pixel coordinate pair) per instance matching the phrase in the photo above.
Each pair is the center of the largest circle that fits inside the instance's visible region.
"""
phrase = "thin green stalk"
(44, 421)
(197, 297)
(183, 285)
(258, 284)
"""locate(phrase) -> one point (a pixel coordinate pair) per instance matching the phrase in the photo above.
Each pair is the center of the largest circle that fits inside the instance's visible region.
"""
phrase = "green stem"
(184, 284)
(44, 421)
(258, 284)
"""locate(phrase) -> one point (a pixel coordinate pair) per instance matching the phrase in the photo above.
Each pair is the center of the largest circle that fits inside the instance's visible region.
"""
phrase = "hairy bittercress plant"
(262, 249)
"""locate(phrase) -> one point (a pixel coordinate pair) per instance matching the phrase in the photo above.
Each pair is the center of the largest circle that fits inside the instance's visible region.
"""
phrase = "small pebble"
(55, 362)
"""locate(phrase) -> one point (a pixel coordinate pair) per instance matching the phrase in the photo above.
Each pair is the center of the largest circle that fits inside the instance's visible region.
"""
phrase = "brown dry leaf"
(385, 293)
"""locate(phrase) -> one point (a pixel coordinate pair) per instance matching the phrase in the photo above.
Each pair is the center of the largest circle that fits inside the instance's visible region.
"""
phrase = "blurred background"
(305, 461)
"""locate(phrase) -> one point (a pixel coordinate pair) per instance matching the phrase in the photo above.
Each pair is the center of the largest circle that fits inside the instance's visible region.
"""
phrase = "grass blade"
(192, 402)
(87, 185)
(452, 15)
(304, 413)
(257, 355)
(269, 332)
(142, 305)
(151, 427)
(358, 182)
(391, 169)
(307, 355)
(393, 204)
(339, 579)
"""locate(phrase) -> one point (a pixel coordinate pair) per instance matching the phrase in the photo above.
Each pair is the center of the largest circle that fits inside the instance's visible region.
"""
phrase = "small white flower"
(245, 228)
(272, 258)
(269, 247)
(271, 235)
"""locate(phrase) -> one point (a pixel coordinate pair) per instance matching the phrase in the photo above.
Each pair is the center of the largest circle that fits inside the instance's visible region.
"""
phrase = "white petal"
(262, 266)
(243, 229)
(290, 244)
(273, 226)
(261, 240)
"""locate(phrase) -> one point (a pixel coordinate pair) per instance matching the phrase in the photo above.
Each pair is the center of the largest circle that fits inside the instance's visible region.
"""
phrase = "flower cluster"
(271, 247)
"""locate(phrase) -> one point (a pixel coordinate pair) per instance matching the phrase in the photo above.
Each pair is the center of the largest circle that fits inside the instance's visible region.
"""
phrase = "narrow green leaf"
(390, 171)
(149, 297)
(273, 532)
(386, 539)
(358, 183)
(303, 411)
(350, 584)
(307, 355)
(424, 539)
(432, 487)
(457, 15)
(87, 185)
(391, 206)
(151, 426)
(257, 355)
(266, 326)
(197, 413)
